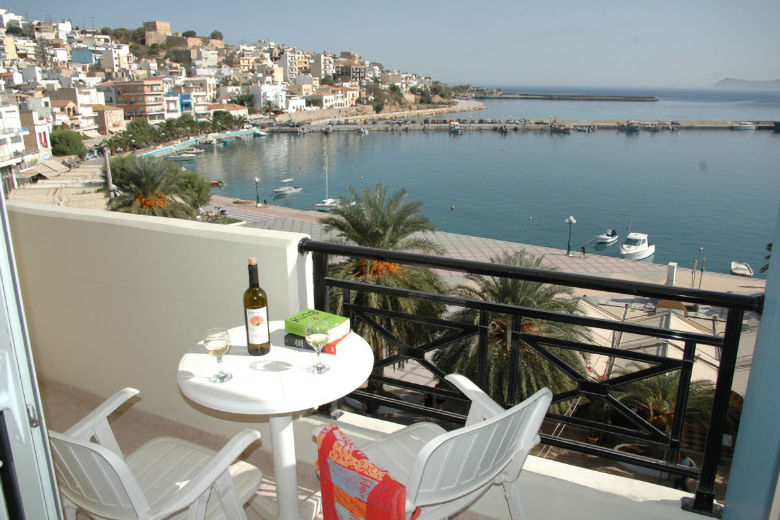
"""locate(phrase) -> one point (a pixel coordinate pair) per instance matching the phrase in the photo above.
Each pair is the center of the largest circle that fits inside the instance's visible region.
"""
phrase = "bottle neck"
(253, 280)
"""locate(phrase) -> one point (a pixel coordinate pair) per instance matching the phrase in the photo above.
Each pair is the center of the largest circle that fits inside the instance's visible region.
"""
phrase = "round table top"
(280, 382)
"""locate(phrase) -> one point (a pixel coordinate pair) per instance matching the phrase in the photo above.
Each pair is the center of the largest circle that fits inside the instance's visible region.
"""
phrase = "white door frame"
(30, 484)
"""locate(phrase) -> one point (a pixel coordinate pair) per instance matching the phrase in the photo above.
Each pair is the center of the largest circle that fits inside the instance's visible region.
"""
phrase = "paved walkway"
(483, 249)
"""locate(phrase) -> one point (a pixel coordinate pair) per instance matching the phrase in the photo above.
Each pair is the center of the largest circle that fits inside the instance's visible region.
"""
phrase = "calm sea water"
(716, 190)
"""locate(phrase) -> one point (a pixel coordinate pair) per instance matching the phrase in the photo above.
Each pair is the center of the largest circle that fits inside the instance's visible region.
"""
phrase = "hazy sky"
(680, 43)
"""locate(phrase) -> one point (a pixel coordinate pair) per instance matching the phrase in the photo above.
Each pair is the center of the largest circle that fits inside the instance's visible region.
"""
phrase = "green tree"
(327, 80)
(197, 188)
(142, 134)
(314, 101)
(247, 100)
(216, 35)
(67, 142)
(387, 222)
(189, 34)
(395, 94)
(534, 371)
(14, 30)
(151, 186)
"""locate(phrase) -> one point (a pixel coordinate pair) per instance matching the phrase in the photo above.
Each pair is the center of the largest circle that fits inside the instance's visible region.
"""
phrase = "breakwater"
(570, 97)
(560, 126)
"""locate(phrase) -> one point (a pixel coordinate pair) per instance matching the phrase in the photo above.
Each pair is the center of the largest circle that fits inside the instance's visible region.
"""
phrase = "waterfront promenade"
(483, 249)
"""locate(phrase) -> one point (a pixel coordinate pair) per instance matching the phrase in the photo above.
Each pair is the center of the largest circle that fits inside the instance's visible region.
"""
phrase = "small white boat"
(744, 125)
(636, 246)
(286, 190)
(741, 269)
(609, 237)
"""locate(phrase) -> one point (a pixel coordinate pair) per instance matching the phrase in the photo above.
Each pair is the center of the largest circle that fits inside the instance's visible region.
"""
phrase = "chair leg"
(70, 509)
(513, 501)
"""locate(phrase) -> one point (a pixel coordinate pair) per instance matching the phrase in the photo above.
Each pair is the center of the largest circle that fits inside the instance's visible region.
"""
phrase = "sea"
(704, 196)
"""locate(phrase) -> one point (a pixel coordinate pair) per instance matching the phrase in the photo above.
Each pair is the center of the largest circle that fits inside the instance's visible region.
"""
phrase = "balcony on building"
(114, 300)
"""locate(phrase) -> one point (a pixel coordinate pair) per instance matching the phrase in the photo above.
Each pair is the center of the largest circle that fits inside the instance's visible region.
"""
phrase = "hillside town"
(55, 75)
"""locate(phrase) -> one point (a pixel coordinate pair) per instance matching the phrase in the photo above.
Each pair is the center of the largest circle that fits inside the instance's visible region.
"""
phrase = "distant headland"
(740, 84)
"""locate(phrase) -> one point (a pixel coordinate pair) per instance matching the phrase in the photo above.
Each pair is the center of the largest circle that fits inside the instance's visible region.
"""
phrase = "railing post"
(514, 360)
(704, 502)
(482, 358)
(681, 402)
(320, 271)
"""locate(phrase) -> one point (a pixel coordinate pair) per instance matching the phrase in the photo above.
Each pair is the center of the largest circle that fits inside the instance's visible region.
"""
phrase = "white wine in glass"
(217, 343)
(318, 335)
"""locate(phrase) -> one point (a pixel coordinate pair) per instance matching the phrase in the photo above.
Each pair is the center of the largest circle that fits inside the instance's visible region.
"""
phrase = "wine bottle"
(258, 337)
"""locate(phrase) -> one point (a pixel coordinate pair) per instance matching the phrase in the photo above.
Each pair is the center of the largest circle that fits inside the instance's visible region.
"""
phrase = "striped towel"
(353, 488)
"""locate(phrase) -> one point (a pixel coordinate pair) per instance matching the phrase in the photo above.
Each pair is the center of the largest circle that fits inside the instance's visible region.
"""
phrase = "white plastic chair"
(445, 472)
(164, 478)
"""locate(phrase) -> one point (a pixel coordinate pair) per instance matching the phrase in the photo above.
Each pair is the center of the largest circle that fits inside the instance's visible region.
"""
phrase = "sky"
(591, 43)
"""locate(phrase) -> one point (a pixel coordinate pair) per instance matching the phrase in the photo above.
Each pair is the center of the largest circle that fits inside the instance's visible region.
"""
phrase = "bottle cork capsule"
(252, 260)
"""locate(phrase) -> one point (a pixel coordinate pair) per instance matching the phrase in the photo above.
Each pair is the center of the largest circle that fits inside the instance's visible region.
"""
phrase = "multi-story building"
(11, 142)
(351, 71)
(273, 93)
(322, 65)
(337, 97)
(290, 62)
(110, 119)
(38, 138)
(207, 85)
(140, 98)
(117, 58)
(8, 50)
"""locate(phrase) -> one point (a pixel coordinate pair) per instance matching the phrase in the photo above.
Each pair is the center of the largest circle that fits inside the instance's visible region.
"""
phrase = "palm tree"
(655, 400)
(534, 371)
(378, 221)
(150, 186)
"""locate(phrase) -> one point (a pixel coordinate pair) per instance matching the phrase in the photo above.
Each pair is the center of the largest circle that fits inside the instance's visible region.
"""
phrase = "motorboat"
(216, 184)
(741, 269)
(286, 190)
(260, 133)
(636, 246)
(610, 236)
(744, 125)
(455, 128)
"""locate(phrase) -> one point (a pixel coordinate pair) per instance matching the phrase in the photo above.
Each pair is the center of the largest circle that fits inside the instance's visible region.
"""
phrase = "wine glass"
(217, 343)
(318, 335)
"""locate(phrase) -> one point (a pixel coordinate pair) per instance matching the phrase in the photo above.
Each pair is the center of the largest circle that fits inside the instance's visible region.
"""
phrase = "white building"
(11, 142)
(275, 93)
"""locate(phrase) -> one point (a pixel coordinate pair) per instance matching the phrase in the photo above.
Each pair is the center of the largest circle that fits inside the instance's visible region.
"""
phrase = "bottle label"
(257, 325)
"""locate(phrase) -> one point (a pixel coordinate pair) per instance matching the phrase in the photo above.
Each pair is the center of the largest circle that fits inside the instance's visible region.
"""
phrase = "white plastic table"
(276, 385)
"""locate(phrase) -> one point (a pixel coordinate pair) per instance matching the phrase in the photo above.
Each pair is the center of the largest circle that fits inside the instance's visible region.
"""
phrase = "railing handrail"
(747, 302)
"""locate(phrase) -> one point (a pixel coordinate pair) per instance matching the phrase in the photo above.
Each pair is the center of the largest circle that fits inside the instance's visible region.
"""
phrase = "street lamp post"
(257, 192)
(569, 220)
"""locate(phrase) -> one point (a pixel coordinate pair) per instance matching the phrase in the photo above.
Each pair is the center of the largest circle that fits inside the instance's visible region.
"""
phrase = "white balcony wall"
(114, 300)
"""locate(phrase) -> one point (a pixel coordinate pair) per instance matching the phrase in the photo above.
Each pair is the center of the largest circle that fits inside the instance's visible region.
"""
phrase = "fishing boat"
(184, 156)
(741, 269)
(455, 128)
(636, 247)
(744, 125)
(260, 133)
(286, 189)
(216, 184)
(610, 236)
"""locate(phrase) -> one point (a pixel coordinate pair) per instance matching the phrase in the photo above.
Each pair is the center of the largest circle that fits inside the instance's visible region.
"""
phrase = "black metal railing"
(650, 365)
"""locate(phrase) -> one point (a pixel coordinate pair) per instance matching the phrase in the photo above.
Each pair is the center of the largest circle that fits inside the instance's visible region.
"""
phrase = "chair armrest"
(200, 484)
(482, 405)
(96, 422)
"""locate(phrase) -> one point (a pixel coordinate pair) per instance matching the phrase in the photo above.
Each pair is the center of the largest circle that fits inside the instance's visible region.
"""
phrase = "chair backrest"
(457, 467)
(95, 478)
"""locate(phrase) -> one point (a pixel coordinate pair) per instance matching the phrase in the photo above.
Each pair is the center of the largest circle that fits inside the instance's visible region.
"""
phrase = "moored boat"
(216, 184)
(610, 236)
(286, 190)
(744, 125)
(636, 247)
(455, 128)
(741, 269)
